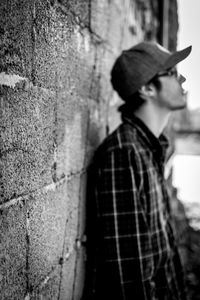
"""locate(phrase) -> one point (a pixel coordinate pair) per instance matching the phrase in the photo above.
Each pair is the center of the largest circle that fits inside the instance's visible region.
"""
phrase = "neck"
(155, 120)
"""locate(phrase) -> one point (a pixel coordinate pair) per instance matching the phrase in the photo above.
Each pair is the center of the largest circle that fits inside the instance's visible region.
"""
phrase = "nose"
(181, 78)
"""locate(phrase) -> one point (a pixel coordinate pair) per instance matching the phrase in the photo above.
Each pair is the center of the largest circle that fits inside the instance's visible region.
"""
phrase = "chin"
(178, 106)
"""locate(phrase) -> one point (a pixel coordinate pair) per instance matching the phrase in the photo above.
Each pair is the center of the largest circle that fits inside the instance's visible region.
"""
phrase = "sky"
(189, 27)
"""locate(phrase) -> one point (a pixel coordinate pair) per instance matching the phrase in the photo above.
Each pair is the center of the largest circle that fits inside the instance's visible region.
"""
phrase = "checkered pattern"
(137, 257)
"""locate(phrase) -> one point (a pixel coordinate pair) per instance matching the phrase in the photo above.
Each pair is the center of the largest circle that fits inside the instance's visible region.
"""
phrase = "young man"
(136, 255)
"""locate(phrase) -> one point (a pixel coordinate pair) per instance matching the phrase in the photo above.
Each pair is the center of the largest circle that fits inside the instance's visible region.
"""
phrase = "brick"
(48, 212)
(27, 140)
(13, 246)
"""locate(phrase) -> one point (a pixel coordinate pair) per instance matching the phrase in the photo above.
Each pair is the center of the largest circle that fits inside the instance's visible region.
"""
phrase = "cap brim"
(177, 57)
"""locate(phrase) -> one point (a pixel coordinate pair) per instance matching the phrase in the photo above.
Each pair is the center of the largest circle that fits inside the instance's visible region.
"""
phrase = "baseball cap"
(139, 64)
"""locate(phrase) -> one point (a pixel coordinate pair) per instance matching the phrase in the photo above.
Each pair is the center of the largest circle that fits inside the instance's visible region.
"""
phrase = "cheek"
(171, 92)
(175, 90)
(171, 96)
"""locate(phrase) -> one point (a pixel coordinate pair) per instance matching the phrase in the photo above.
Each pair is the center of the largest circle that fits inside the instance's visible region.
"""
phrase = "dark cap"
(139, 64)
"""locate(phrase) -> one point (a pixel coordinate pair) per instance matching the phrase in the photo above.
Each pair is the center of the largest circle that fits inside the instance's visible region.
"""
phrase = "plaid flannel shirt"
(136, 256)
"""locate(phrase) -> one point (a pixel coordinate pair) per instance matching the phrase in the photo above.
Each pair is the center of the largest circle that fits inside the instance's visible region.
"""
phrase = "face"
(171, 95)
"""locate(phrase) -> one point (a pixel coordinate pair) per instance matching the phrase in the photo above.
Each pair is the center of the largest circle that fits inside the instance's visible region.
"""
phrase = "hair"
(134, 102)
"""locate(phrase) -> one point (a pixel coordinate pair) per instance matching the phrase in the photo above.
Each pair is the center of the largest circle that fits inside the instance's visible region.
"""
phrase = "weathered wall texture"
(56, 105)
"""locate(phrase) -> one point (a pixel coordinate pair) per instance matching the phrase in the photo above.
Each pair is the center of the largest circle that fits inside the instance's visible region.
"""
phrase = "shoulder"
(124, 137)
(121, 153)
(122, 142)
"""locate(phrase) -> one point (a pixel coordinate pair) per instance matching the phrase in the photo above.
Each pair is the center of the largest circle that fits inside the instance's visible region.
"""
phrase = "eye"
(173, 73)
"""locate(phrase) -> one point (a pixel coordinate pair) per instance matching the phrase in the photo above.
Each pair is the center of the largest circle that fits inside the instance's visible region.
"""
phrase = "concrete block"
(107, 60)
(45, 52)
(67, 279)
(110, 20)
(73, 272)
(101, 87)
(48, 213)
(96, 128)
(63, 52)
(82, 206)
(95, 87)
(72, 124)
(49, 289)
(16, 44)
(118, 23)
(116, 27)
(74, 253)
(75, 60)
(100, 13)
(79, 279)
(114, 118)
(73, 215)
(13, 252)
(79, 8)
(54, 220)
(27, 140)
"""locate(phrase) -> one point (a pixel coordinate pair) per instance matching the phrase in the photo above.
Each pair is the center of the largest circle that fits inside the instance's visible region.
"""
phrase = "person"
(136, 255)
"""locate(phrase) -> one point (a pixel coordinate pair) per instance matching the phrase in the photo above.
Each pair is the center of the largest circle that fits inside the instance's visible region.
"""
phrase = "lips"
(184, 92)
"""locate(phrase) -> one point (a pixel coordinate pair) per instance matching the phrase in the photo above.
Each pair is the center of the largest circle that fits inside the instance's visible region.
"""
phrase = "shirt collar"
(158, 146)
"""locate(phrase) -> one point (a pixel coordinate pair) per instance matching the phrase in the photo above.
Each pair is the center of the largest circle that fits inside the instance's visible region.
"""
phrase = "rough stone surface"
(80, 10)
(71, 137)
(27, 125)
(47, 212)
(67, 279)
(79, 278)
(50, 288)
(13, 251)
(16, 45)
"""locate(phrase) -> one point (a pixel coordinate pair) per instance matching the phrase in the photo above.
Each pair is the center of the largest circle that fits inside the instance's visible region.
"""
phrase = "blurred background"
(186, 161)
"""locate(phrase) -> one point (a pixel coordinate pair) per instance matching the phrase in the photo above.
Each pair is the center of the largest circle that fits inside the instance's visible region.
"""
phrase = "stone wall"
(56, 105)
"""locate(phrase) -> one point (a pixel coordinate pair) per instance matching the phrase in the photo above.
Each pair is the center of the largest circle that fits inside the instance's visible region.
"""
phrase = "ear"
(147, 91)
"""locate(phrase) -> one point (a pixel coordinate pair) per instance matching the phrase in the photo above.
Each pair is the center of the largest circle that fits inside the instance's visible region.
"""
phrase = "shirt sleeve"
(126, 239)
